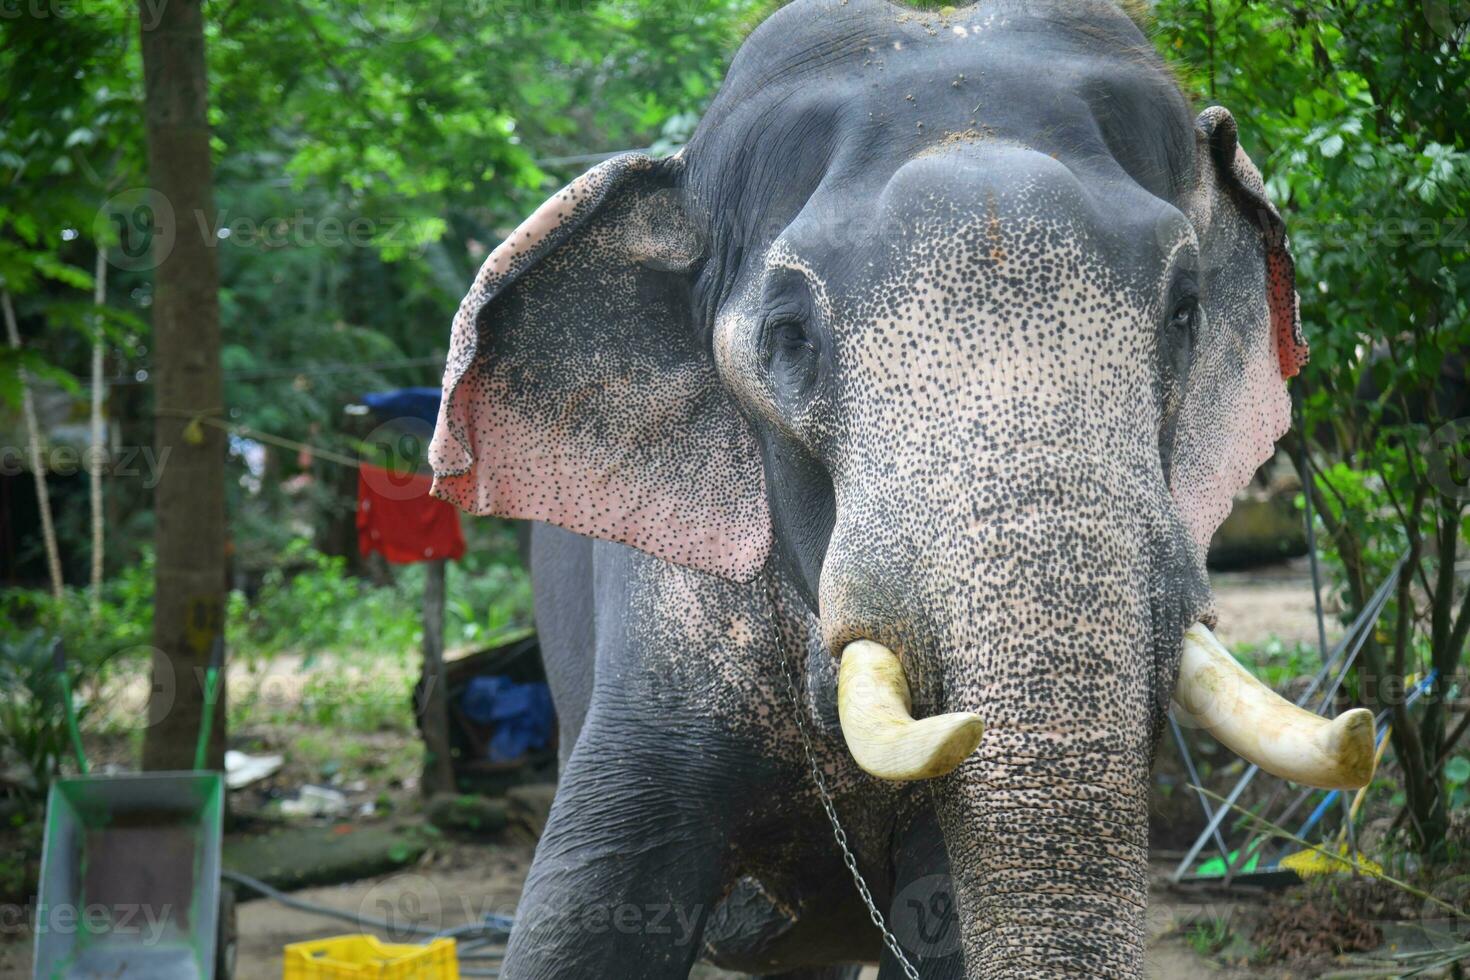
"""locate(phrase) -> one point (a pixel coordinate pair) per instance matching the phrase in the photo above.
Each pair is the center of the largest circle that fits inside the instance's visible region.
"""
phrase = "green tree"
(66, 127)
(368, 163)
(366, 158)
(1358, 115)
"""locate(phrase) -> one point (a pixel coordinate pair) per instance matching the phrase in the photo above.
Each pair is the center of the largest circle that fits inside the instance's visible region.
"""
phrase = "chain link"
(838, 834)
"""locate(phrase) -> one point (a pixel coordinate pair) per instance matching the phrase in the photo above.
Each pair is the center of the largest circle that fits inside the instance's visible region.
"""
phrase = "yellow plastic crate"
(366, 958)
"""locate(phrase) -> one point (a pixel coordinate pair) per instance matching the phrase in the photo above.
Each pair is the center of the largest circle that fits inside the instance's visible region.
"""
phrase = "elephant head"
(965, 325)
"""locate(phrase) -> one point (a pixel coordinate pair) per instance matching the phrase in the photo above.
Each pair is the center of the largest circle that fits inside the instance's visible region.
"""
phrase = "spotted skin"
(523, 432)
(1219, 128)
(915, 343)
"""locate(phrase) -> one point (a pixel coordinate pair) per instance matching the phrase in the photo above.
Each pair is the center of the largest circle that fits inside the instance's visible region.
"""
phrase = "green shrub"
(34, 736)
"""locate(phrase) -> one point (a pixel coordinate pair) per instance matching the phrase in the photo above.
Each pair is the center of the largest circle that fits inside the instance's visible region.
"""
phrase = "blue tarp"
(521, 714)
(417, 403)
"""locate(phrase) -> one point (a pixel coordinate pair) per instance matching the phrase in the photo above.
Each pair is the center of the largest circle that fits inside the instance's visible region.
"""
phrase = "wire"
(249, 433)
(588, 157)
(496, 926)
(336, 367)
(301, 905)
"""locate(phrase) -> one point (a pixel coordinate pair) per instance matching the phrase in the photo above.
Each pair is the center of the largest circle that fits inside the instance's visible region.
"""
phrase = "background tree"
(1358, 115)
(363, 167)
(189, 579)
(70, 137)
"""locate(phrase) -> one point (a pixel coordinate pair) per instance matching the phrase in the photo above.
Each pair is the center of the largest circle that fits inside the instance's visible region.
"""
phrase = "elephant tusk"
(883, 737)
(1264, 728)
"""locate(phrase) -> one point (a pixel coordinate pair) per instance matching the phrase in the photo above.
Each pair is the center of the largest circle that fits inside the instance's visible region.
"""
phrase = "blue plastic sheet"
(521, 715)
(415, 403)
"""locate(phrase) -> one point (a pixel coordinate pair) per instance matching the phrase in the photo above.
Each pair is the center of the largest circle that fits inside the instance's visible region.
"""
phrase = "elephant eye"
(789, 338)
(791, 354)
(1185, 318)
(1179, 337)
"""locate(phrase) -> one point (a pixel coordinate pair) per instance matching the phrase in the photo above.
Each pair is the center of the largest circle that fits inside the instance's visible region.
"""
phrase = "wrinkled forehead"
(855, 90)
(976, 216)
(1010, 300)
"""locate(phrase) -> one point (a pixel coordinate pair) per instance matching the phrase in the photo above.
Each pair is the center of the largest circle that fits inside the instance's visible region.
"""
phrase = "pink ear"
(1286, 325)
(577, 393)
(1239, 406)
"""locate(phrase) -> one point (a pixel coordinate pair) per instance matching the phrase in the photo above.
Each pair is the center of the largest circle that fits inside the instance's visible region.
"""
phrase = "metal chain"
(838, 834)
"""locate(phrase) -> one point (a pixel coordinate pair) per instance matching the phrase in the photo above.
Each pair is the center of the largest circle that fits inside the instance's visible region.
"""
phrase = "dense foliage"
(367, 157)
(1359, 115)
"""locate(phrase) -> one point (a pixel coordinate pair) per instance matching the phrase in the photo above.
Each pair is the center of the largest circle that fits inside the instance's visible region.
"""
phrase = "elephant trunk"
(1049, 856)
(1069, 659)
(1045, 607)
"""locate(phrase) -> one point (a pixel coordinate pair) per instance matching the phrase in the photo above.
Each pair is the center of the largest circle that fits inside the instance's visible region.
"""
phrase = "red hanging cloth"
(396, 516)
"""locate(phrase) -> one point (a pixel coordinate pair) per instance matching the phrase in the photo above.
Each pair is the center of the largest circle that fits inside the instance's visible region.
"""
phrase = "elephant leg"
(561, 582)
(630, 864)
(923, 914)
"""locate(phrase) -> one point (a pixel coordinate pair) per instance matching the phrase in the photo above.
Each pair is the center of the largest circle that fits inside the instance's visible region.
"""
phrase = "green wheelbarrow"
(130, 868)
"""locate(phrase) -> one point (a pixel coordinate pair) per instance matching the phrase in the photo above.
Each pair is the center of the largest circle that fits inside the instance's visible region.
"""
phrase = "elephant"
(874, 441)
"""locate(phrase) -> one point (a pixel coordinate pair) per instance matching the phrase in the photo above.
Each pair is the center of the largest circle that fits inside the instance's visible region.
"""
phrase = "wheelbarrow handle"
(211, 693)
(217, 652)
(58, 664)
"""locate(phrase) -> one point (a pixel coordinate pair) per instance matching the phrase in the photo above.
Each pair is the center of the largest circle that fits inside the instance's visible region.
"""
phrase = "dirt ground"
(1271, 603)
(479, 880)
(456, 883)
(470, 881)
(447, 889)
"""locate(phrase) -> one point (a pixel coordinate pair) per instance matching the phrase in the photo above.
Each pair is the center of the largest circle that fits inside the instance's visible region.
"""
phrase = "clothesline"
(402, 527)
(250, 433)
(332, 367)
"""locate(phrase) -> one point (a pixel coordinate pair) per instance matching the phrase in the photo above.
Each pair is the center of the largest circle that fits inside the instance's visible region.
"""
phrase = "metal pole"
(1358, 630)
(1204, 801)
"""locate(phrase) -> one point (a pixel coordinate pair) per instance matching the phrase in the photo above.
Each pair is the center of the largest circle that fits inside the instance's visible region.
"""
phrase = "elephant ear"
(1236, 404)
(577, 392)
(1244, 184)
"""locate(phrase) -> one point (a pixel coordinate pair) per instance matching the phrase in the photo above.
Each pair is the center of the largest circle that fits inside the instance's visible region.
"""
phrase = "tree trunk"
(189, 503)
(434, 706)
